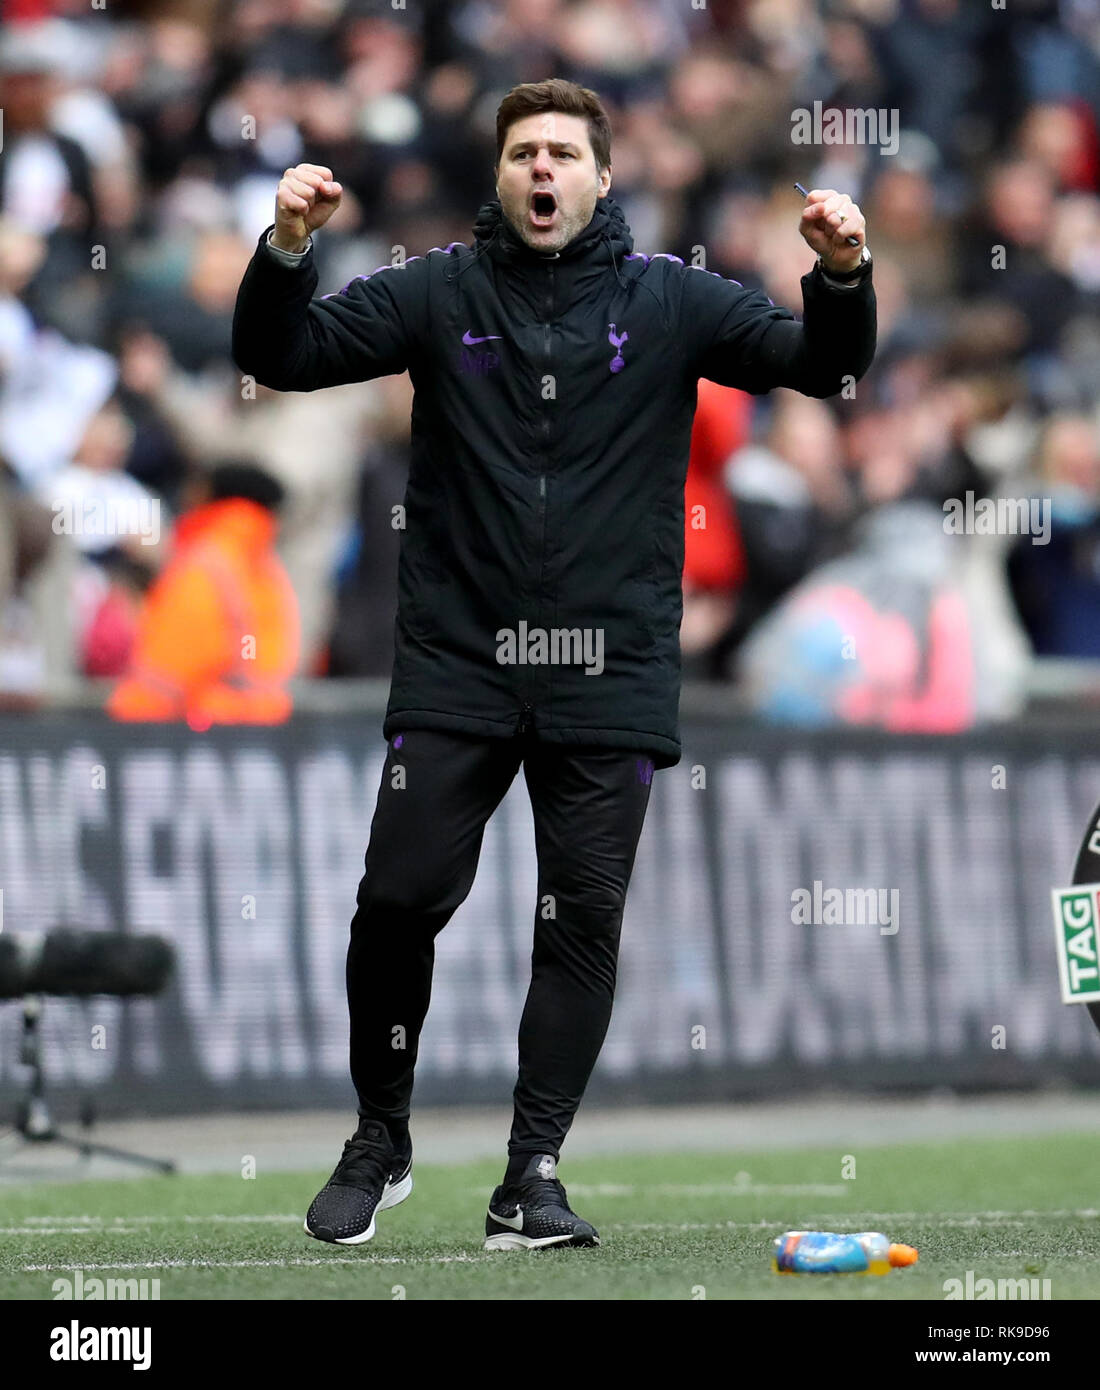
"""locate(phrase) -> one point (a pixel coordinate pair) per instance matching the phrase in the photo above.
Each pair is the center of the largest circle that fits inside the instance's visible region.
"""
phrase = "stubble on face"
(549, 153)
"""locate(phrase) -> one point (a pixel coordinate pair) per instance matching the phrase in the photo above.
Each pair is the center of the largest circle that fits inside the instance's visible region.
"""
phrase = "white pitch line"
(1057, 1214)
(840, 1225)
(103, 1222)
(65, 1230)
(102, 1225)
(719, 1189)
(856, 1221)
(751, 1190)
(861, 1220)
(269, 1264)
(691, 1225)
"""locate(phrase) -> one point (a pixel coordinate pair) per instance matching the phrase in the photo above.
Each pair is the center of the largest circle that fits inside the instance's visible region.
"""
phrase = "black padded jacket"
(539, 579)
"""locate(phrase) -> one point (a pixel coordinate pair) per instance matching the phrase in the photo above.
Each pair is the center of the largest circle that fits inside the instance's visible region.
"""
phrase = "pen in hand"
(851, 240)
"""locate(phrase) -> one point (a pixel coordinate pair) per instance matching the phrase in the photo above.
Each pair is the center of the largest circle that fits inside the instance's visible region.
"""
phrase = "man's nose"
(542, 166)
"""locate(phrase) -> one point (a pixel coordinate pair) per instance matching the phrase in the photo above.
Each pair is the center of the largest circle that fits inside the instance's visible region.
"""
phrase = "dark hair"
(556, 94)
(248, 480)
(126, 568)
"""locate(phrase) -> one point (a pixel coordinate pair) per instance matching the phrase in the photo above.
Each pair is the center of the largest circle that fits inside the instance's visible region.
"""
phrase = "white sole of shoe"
(512, 1240)
(392, 1194)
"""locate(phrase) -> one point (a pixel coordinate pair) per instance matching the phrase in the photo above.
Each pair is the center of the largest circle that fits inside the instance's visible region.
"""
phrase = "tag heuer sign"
(1076, 923)
(1086, 875)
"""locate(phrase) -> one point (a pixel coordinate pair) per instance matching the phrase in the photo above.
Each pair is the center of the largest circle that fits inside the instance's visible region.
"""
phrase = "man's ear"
(605, 182)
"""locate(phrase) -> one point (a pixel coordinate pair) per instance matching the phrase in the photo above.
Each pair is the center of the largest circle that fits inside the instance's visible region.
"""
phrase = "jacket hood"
(607, 234)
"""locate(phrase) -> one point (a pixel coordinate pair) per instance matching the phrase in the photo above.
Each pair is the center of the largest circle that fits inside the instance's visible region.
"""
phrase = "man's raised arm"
(288, 340)
(738, 337)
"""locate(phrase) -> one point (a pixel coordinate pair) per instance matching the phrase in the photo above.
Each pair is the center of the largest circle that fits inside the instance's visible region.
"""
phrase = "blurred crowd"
(142, 146)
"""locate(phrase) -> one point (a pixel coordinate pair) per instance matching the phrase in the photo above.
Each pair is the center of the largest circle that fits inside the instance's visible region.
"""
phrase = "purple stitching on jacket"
(641, 256)
(705, 271)
(446, 250)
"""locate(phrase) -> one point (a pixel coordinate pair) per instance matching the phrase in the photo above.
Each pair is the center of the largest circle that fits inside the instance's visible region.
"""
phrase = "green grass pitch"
(671, 1226)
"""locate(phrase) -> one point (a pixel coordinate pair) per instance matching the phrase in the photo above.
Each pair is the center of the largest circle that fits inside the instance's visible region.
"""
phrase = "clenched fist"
(306, 199)
(828, 219)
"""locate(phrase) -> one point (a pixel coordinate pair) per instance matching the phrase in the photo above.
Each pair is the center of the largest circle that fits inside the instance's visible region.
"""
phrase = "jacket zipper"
(526, 718)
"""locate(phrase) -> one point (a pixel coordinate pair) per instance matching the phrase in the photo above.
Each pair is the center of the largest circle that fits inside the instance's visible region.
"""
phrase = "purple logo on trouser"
(645, 771)
(399, 740)
(617, 340)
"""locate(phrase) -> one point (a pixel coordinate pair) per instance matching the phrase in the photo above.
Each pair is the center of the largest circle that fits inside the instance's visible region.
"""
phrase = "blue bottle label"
(820, 1252)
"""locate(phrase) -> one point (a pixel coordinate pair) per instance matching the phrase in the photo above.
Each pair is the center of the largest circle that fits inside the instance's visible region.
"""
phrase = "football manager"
(539, 585)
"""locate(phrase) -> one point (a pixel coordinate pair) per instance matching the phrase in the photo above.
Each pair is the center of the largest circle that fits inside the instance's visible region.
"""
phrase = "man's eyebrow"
(534, 144)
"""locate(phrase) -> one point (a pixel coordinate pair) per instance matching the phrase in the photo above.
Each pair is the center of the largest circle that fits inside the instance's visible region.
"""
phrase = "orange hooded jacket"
(218, 634)
(714, 557)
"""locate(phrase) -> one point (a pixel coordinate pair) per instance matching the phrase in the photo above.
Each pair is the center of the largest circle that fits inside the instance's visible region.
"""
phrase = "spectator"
(37, 641)
(366, 594)
(1057, 585)
(95, 500)
(113, 524)
(792, 498)
(139, 161)
(889, 636)
(266, 427)
(46, 178)
(49, 387)
(714, 561)
(218, 635)
(108, 636)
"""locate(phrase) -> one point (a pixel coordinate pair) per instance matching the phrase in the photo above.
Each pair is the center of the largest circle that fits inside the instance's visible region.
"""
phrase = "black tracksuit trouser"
(438, 791)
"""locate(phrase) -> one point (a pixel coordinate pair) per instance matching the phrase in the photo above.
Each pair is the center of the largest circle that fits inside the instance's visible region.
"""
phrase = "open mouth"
(543, 208)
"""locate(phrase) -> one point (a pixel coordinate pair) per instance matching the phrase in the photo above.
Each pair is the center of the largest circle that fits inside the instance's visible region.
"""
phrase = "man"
(539, 597)
(217, 638)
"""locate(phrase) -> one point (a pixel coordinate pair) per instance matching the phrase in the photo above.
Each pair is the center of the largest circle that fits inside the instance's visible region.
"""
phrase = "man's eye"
(567, 154)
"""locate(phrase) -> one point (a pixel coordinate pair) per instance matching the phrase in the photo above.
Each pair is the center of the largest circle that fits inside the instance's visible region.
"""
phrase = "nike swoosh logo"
(516, 1222)
(470, 340)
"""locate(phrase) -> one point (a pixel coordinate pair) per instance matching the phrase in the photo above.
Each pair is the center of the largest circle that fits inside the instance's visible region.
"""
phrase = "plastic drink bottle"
(825, 1252)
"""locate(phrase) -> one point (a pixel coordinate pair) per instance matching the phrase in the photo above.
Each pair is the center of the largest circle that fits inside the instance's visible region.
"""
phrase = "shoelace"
(546, 1192)
(361, 1163)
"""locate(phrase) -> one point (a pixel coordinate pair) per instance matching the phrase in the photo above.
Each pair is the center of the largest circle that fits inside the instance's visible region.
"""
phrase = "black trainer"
(369, 1178)
(535, 1212)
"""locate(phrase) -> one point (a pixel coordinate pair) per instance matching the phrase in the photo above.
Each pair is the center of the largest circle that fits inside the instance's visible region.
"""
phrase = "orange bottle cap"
(902, 1255)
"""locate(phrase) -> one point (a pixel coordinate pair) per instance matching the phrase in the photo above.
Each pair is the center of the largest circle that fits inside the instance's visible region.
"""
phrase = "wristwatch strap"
(850, 277)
